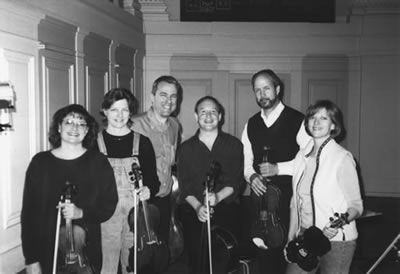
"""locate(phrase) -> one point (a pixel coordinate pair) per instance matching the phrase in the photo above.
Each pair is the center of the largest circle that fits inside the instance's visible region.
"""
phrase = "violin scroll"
(338, 221)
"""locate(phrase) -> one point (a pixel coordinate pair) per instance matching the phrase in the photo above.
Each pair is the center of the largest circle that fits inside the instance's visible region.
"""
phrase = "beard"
(266, 103)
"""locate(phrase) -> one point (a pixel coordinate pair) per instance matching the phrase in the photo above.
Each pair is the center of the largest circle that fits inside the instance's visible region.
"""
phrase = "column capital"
(154, 10)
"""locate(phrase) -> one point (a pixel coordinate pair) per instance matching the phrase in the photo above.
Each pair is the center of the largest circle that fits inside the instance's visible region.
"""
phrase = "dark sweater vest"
(280, 137)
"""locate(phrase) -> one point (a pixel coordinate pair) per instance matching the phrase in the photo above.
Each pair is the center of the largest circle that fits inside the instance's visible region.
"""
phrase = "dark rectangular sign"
(258, 10)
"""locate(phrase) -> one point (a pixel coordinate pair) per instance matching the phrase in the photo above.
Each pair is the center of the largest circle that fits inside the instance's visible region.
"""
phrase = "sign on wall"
(258, 10)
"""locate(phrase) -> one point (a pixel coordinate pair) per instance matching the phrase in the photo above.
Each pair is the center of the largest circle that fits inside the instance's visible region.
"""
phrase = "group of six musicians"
(315, 175)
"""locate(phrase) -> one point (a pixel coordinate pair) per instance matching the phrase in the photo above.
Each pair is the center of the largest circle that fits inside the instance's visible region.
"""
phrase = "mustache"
(264, 100)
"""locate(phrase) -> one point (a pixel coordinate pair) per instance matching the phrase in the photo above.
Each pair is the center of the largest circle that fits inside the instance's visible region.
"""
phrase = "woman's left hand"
(143, 193)
(71, 211)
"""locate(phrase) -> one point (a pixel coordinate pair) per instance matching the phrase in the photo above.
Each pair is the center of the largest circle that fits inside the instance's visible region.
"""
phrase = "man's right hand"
(257, 185)
(268, 169)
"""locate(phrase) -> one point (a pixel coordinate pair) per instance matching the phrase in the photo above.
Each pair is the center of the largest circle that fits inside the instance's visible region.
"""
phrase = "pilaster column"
(154, 10)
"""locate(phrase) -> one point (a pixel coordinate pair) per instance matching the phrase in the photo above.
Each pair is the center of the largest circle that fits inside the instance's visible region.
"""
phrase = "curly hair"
(58, 117)
(117, 94)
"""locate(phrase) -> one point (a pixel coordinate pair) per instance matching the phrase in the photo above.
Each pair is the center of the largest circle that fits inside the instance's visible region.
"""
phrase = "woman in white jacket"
(325, 182)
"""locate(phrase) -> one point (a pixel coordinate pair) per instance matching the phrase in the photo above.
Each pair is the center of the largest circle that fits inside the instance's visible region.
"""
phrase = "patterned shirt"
(165, 139)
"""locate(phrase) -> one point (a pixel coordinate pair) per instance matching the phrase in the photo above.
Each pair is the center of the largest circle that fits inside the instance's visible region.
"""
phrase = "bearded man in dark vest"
(280, 130)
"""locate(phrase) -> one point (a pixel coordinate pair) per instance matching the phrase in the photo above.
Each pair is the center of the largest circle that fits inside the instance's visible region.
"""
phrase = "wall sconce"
(7, 105)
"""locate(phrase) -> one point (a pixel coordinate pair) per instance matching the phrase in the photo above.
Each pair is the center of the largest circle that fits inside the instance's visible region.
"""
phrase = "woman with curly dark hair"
(72, 133)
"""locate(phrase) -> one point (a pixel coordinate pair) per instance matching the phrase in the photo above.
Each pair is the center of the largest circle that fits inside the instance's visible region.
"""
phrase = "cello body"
(225, 251)
(175, 238)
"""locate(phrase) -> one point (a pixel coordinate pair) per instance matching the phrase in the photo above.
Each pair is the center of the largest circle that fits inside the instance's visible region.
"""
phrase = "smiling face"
(320, 124)
(164, 99)
(266, 93)
(208, 116)
(118, 114)
(73, 129)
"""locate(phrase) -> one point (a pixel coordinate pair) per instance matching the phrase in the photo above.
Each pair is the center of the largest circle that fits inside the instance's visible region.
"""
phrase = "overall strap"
(101, 144)
(135, 147)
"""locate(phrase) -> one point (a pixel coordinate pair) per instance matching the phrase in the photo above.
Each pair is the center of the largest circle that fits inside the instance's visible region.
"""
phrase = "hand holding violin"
(213, 199)
(143, 193)
(335, 223)
(257, 184)
(202, 213)
(268, 169)
(71, 211)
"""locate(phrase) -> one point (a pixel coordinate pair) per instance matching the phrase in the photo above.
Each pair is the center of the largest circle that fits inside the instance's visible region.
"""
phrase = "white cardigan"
(327, 193)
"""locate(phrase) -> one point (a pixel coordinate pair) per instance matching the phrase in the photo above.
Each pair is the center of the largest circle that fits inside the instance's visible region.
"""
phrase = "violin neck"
(69, 231)
(147, 221)
(146, 217)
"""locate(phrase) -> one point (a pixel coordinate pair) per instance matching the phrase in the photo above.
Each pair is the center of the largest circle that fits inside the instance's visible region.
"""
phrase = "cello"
(72, 242)
(223, 252)
(148, 252)
(175, 238)
(267, 231)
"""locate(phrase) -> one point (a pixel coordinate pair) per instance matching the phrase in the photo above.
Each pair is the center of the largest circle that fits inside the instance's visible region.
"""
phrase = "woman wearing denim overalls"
(123, 147)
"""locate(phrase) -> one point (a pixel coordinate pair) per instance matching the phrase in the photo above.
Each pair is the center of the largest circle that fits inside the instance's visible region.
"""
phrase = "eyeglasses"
(80, 125)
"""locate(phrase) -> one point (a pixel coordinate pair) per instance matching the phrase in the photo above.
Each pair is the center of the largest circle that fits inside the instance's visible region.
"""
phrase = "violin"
(223, 251)
(72, 242)
(148, 252)
(267, 231)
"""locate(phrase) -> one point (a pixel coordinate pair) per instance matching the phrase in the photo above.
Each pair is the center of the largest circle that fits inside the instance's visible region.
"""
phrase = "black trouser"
(225, 216)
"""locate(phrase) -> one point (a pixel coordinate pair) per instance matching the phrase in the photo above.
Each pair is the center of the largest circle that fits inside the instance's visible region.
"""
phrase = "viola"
(267, 230)
(72, 243)
(223, 251)
(148, 252)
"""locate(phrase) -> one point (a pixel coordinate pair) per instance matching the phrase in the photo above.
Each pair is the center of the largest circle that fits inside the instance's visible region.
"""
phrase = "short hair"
(335, 114)
(210, 98)
(117, 94)
(270, 74)
(170, 80)
(220, 108)
(58, 117)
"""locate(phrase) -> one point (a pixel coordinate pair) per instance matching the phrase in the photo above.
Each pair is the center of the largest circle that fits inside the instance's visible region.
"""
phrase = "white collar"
(274, 115)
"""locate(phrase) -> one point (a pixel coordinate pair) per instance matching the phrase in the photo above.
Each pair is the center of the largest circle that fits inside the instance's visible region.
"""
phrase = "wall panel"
(97, 60)
(17, 148)
(194, 90)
